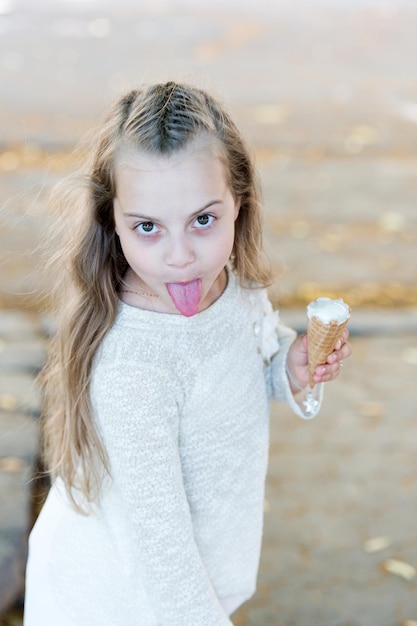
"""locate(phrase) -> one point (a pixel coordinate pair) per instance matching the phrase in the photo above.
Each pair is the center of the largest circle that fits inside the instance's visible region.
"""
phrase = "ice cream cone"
(322, 339)
(326, 320)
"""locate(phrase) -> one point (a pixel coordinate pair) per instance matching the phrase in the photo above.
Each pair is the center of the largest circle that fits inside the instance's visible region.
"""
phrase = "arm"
(285, 386)
(138, 420)
(290, 369)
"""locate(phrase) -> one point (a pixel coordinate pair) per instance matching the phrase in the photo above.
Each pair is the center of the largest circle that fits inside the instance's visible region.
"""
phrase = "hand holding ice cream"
(317, 357)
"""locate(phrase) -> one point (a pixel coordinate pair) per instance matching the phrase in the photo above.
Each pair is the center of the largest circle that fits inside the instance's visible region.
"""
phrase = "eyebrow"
(195, 213)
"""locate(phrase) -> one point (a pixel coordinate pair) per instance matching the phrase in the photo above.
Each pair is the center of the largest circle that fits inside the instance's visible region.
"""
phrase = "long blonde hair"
(159, 119)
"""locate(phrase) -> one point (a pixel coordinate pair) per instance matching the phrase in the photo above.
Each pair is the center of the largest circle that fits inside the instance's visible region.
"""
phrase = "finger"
(345, 335)
(345, 351)
(342, 339)
(339, 354)
(328, 372)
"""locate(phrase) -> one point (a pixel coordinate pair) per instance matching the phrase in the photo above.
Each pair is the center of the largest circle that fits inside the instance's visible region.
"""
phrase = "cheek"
(225, 245)
(143, 258)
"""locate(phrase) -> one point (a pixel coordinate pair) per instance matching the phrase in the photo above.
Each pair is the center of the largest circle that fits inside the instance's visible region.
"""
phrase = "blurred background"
(325, 91)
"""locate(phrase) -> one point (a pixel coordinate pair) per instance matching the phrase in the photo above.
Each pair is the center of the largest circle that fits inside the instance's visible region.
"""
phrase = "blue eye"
(204, 221)
(147, 228)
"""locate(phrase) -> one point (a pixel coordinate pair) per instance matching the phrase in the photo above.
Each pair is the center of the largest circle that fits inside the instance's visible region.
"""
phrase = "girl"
(158, 385)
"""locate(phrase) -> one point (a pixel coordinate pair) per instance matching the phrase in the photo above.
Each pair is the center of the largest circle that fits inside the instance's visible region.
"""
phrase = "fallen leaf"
(376, 543)
(11, 464)
(400, 568)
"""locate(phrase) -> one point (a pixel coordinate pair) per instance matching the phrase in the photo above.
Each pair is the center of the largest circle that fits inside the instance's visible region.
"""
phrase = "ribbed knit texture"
(182, 406)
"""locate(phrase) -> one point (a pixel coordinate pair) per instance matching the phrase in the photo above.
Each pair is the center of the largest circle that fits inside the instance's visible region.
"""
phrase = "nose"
(180, 252)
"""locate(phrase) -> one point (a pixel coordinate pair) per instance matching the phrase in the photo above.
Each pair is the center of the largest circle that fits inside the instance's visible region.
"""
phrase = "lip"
(182, 282)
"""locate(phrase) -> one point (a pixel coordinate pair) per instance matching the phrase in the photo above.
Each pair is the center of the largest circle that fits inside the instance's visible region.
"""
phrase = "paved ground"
(21, 355)
(326, 94)
(338, 488)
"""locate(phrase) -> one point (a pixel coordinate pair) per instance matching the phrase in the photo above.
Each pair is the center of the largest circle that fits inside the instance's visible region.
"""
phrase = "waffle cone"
(322, 339)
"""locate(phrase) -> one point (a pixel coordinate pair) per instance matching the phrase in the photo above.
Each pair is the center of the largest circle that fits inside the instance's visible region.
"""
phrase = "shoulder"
(254, 295)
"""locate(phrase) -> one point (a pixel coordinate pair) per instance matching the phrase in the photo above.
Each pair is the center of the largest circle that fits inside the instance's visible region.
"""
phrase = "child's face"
(175, 218)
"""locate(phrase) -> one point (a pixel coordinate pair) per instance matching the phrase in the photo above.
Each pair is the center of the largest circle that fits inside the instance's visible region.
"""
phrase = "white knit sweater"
(182, 405)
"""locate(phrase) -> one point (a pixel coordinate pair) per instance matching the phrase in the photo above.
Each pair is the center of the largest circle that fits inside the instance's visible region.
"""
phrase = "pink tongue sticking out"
(186, 296)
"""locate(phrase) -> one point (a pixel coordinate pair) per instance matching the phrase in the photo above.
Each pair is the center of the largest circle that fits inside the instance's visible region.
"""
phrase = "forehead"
(198, 166)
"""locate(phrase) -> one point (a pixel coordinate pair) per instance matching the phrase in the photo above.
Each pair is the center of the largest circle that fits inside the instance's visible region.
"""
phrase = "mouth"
(186, 296)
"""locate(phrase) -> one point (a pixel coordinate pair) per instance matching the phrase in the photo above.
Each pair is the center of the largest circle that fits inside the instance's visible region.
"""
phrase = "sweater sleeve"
(138, 419)
(280, 386)
(275, 341)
